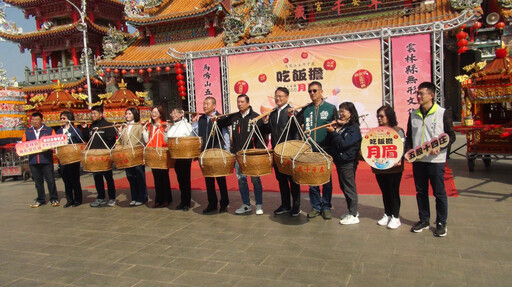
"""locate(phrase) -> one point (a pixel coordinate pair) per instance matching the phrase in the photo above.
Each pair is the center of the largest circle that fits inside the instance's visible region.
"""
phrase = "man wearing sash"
(274, 125)
(425, 123)
(318, 113)
(203, 126)
(104, 139)
(41, 164)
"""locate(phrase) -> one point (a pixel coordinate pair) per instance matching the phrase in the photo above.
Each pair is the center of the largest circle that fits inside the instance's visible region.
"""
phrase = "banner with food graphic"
(347, 72)
(382, 147)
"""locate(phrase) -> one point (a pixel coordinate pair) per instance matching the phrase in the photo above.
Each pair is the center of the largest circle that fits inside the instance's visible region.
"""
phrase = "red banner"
(207, 82)
(411, 66)
(42, 144)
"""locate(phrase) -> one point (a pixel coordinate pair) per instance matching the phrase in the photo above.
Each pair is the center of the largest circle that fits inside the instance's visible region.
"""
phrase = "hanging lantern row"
(462, 41)
(142, 71)
(180, 78)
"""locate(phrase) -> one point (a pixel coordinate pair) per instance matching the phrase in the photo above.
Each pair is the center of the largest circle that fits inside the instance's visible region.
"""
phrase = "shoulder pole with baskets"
(255, 162)
(70, 153)
(96, 160)
(216, 162)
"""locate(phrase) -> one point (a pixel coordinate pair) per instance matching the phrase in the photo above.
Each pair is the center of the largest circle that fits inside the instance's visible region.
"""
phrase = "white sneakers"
(348, 219)
(384, 220)
(391, 222)
(259, 209)
(247, 208)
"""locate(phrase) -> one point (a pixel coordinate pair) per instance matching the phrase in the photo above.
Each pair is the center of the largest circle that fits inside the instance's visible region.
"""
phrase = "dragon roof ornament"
(465, 4)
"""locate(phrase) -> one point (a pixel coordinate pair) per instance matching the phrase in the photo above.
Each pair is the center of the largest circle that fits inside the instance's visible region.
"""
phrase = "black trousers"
(162, 185)
(71, 176)
(347, 179)
(137, 177)
(425, 172)
(182, 169)
(212, 195)
(389, 184)
(100, 184)
(287, 187)
(40, 173)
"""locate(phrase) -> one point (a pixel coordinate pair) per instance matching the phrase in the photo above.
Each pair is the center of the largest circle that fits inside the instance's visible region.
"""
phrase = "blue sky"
(14, 61)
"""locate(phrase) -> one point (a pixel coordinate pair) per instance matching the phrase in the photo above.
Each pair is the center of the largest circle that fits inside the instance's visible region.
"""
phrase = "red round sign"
(241, 87)
(362, 78)
(262, 78)
(329, 65)
(304, 55)
(285, 60)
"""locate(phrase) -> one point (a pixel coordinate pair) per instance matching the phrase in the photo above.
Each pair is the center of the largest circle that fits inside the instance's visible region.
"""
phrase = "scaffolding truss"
(435, 29)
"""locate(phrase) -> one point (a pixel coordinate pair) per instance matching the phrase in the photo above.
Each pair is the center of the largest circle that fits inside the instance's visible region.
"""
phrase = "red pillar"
(152, 40)
(34, 61)
(91, 16)
(45, 59)
(98, 51)
(118, 25)
(75, 16)
(55, 58)
(74, 56)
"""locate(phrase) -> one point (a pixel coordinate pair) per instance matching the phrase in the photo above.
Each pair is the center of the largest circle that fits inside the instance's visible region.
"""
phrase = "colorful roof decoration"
(122, 98)
(48, 88)
(177, 10)
(58, 100)
(29, 3)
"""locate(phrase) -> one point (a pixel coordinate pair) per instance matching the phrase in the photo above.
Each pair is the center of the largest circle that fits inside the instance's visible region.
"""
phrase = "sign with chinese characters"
(411, 66)
(207, 82)
(347, 72)
(40, 145)
(425, 149)
(382, 147)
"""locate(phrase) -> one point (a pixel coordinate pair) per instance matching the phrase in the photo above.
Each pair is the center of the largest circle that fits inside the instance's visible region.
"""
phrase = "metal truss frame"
(436, 29)
(190, 84)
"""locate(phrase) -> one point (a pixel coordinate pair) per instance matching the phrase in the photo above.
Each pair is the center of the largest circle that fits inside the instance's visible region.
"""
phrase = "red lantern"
(262, 78)
(177, 65)
(500, 25)
(362, 79)
(183, 94)
(501, 53)
(182, 89)
(184, 66)
(158, 69)
(462, 49)
(45, 94)
(123, 71)
(116, 71)
(181, 83)
(462, 43)
(180, 77)
(108, 70)
(66, 90)
(149, 70)
(179, 71)
(167, 69)
(73, 91)
(102, 74)
(285, 60)
(80, 90)
(477, 25)
(32, 95)
(330, 64)
(141, 71)
(463, 26)
(304, 55)
(96, 81)
(461, 35)
(132, 71)
(85, 87)
(25, 96)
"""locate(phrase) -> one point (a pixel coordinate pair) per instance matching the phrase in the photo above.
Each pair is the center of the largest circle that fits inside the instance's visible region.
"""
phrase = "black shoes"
(68, 204)
(281, 210)
(441, 230)
(76, 204)
(223, 210)
(210, 209)
(419, 226)
(295, 211)
(183, 206)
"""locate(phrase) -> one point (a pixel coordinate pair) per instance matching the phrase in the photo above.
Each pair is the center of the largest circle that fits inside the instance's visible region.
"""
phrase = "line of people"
(342, 140)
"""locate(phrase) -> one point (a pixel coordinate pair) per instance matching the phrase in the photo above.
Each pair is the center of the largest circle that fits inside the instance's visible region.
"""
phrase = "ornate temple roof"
(28, 3)
(59, 99)
(56, 31)
(177, 10)
(122, 98)
(50, 87)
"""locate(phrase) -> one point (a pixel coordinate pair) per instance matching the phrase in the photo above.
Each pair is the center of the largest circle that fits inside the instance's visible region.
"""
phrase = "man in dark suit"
(274, 126)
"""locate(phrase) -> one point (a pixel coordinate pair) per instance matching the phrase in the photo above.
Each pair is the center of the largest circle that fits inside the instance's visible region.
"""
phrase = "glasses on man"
(421, 94)
(313, 91)
(279, 97)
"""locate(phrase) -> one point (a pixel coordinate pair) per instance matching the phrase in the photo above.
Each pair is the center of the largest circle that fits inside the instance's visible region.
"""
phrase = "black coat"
(344, 145)
(204, 128)
(240, 130)
(108, 135)
(275, 128)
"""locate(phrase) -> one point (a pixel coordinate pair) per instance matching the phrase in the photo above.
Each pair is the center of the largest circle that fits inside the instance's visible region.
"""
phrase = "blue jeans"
(40, 173)
(321, 202)
(424, 172)
(244, 187)
(137, 177)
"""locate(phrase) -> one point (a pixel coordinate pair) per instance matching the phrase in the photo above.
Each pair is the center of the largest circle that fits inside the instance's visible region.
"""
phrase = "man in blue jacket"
(41, 164)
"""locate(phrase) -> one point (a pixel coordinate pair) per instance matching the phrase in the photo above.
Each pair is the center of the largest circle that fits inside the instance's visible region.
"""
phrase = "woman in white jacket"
(181, 128)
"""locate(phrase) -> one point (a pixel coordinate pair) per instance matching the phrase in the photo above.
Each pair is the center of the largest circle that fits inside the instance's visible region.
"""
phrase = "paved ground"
(123, 246)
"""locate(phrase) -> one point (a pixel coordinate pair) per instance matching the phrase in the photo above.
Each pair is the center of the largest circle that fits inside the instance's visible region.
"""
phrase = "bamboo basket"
(158, 158)
(292, 148)
(96, 160)
(213, 165)
(312, 168)
(185, 147)
(125, 157)
(256, 162)
(70, 153)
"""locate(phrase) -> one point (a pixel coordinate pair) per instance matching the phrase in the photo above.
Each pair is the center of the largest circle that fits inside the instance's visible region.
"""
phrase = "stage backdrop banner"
(411, 59)
(207, 82)
(347, 71)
